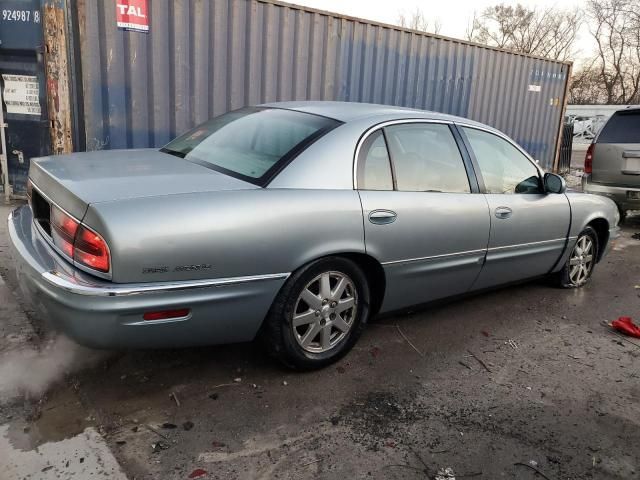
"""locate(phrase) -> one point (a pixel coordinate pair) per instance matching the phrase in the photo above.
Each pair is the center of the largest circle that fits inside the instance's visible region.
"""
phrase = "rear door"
(528, 227)
(616, 158)
(424, 220)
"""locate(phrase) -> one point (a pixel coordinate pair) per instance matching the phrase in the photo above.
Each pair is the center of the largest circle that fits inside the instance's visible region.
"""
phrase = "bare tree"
(615, 26)
(416, 20)
(586, 87)
(549, 32)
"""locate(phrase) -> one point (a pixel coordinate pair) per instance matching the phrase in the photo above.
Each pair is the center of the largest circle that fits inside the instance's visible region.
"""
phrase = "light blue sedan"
(295, 222)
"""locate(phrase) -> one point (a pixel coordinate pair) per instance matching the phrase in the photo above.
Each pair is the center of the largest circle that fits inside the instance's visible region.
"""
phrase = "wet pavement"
(496, 385)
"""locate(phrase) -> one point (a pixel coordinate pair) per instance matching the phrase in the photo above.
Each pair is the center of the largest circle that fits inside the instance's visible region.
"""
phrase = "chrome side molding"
(66, 283)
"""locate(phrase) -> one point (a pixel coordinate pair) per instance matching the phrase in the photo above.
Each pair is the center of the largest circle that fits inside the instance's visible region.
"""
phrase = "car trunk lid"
(76, 180)
(616, 156)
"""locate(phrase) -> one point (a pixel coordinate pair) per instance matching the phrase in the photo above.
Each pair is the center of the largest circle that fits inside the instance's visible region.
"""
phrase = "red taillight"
(63, 230)
(166, 314)
(78, 242)
(91, 250)
(588, 159)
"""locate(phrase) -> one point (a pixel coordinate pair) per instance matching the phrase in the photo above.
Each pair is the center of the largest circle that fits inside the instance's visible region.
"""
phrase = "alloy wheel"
(581, 261)
(324, 312)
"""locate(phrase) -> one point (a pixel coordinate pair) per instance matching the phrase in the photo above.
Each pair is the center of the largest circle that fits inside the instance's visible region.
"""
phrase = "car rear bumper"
(102, 314)
(617, 194)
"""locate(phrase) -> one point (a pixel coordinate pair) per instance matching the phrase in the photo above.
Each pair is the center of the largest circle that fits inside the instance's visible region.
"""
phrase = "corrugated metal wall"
(203, 58)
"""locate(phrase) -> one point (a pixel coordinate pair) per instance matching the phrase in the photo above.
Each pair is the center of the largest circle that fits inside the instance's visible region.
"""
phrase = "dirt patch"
(378, 418)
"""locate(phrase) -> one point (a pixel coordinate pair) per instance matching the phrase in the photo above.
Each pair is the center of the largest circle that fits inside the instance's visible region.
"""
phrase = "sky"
(453, 15)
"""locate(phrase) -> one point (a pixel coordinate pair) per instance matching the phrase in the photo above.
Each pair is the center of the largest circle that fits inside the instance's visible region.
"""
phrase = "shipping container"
(200, 58)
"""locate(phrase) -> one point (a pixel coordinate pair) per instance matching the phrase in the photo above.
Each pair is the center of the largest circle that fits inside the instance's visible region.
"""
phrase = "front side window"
(251, 143)
(426, 158)
(504, 168)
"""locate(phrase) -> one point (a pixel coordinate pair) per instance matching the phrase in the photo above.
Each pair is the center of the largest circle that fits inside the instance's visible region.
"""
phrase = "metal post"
(563, 112)
(4, 165)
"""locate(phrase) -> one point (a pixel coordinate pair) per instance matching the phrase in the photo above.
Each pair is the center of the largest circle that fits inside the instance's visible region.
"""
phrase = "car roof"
(629, 109)
(351, 111)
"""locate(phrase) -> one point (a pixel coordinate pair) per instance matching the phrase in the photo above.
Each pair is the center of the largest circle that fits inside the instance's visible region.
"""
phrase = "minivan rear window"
(252, 144)
(622, 127)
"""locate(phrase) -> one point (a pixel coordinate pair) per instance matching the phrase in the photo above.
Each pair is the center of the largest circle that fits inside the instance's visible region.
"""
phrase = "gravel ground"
(499, 385)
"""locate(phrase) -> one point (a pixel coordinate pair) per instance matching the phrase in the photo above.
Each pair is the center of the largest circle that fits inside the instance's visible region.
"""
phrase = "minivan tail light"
(588, 159)
(91, 250)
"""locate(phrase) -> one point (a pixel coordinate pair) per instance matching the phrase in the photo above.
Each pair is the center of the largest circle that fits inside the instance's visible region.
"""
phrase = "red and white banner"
(133, 15)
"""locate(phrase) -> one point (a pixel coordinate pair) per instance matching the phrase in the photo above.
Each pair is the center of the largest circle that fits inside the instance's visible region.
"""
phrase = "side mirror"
(554, 183)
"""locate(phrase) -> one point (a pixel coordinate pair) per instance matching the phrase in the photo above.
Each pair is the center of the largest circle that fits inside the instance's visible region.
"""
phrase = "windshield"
(253, 144)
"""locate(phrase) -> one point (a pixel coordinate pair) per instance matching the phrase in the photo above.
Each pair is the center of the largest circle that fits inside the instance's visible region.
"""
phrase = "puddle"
(60, 418)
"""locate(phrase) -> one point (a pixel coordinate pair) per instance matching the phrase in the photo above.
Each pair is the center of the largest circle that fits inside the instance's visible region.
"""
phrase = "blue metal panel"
(203, 58)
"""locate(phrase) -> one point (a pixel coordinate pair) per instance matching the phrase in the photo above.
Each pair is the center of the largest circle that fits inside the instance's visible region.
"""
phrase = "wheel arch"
(601, 226)
(375, 275)
(371, 268)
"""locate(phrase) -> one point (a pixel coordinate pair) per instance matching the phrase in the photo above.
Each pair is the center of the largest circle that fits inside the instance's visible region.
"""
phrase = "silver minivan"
(612, 163)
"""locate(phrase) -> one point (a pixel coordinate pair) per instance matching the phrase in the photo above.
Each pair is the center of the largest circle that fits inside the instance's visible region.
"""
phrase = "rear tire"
(579, 267)
(318, 315)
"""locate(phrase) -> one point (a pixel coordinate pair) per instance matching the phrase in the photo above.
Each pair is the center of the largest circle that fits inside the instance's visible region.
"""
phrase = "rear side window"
(374, 165)
(426, 158)
(622, 127)
(251, 143)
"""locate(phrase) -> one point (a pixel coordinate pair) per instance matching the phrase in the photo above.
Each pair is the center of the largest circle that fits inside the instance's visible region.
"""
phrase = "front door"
(422, 219)
(528, 227)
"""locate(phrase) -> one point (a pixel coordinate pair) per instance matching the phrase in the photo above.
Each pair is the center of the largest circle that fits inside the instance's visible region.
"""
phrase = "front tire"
(318, 314)
(582, 260)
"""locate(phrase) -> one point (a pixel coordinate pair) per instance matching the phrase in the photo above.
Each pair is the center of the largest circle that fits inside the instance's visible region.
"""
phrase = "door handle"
(503, 212)
(382, 217)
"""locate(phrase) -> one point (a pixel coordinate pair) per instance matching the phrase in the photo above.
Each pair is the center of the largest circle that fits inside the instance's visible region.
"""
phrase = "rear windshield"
(253, 144)
(622, 127)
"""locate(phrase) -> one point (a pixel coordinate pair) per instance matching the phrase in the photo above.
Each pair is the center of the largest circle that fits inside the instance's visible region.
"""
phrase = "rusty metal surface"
(203, 58)
(57, 70)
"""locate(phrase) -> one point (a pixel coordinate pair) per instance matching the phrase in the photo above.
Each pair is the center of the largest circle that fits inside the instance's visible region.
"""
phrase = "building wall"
(202, 58)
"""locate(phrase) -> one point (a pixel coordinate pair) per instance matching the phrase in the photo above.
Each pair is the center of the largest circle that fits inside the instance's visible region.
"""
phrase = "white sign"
(21, 94)
(535, 88)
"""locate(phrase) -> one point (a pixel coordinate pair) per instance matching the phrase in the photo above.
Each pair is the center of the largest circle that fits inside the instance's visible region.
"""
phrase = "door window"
(426, 158)
(374, 165)
(504, 168)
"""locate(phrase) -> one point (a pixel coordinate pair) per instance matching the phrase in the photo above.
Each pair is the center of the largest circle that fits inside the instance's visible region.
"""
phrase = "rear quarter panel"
(226, 234)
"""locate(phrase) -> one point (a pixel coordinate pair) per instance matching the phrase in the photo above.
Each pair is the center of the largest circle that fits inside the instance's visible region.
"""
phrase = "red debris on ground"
(375, 351)
(197, 473)
(626, 326)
